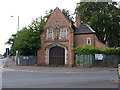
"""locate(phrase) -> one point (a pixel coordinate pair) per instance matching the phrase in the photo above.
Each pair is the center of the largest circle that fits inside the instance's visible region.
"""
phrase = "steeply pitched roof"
(62, 13)
(84, 29)
(56, 16)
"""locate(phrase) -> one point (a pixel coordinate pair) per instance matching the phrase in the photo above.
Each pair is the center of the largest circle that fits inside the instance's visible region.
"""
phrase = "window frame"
(49, 33)
(63, 31)
(89, 41)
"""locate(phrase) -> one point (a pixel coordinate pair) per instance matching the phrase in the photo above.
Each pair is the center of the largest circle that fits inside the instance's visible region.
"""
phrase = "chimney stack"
(77, 19)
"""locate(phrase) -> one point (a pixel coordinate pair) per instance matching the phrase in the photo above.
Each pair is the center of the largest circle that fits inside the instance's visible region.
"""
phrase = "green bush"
(87, 50)
(110, 51)
(118, 50)
(81, 50)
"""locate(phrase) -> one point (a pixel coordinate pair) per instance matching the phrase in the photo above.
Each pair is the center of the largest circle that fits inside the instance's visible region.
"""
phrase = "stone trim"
(56, 44)
(51, 46)
(57, 41)
(66, 32)
(89, 41)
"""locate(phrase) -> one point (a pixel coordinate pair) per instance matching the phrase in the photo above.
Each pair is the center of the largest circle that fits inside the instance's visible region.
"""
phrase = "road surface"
(21, 79)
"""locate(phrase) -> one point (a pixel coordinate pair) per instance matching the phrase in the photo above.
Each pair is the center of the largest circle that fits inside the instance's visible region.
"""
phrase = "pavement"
(2, 62)
(10, 65)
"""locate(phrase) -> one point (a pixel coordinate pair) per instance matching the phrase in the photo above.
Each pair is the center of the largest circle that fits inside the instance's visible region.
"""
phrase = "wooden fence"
(92, 61)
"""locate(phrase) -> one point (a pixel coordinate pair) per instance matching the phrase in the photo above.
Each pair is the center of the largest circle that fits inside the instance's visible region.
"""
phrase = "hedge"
(92, 50)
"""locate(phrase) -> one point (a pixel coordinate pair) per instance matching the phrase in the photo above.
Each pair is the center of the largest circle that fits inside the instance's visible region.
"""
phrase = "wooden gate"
(56, 56)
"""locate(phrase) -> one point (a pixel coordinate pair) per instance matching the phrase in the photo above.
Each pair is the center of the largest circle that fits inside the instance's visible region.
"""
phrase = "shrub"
(110, 51)
(87, 50)
(81, 50)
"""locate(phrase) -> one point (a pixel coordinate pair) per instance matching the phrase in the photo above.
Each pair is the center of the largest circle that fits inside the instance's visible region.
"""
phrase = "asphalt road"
(20, 79)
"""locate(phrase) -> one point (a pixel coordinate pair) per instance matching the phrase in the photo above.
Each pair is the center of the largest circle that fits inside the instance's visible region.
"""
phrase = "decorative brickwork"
(71, 39)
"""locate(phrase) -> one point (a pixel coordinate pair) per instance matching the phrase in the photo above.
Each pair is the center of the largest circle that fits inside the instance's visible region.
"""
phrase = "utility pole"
(18, 22)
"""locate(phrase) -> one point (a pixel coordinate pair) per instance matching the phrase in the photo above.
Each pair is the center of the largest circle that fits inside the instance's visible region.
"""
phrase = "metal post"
(16, 57)
(18, 24)
(18, 21)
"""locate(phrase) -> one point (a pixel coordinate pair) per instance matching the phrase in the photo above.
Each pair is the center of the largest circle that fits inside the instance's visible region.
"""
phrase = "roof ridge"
(89, 28)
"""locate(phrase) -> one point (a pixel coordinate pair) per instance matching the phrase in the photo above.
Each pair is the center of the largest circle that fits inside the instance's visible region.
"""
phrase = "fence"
(25, 60)
(97, 60)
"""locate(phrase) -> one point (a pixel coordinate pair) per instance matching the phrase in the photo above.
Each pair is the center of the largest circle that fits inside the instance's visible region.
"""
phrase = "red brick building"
(61, 37)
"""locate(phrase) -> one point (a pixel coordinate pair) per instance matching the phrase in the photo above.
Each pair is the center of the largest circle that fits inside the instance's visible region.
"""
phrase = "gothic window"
(50, 33)
(88, 41)
(63, 33)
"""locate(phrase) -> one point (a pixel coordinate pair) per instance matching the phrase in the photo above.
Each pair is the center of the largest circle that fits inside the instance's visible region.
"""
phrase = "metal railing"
(25, 60)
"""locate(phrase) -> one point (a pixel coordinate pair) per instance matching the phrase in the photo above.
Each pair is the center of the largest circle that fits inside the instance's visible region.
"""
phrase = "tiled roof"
(84, 29)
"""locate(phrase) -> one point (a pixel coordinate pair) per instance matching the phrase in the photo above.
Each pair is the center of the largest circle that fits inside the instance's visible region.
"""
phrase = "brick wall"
(57, 19)
(81, 40)
(99, 44)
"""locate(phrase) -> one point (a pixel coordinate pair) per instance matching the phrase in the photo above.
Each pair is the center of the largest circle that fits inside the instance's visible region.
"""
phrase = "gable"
(58, 19)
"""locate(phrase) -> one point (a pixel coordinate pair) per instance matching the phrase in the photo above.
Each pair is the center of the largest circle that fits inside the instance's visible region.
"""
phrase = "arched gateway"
(56, 56)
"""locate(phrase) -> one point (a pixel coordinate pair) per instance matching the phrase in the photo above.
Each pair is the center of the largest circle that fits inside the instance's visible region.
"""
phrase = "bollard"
(119, 71)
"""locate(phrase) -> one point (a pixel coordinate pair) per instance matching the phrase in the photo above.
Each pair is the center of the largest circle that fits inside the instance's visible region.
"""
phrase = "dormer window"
(63, 33)
(49, 33)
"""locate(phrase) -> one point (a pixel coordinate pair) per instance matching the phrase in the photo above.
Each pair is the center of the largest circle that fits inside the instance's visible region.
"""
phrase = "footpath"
(10, 65)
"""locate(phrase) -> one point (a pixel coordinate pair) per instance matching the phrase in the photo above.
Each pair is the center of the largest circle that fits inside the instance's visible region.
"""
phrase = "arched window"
(63, 33)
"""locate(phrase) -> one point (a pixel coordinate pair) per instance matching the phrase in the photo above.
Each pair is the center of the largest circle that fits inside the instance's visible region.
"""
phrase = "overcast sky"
(26, 10)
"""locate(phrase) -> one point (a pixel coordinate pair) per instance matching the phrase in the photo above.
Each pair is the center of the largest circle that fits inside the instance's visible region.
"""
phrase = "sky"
(27, 10)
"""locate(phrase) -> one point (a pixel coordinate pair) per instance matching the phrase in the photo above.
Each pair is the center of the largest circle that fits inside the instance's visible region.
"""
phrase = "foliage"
(92, 50)
(118, 50)
(5, 54)
(67, 14)
(11, 39)
(27, 40)
(103, 17)
(87, 50)
(110, 51)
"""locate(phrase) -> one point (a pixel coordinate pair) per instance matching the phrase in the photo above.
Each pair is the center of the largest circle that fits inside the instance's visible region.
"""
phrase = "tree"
(103, 17)
(118, 35)
(11, 39)
(27, 40)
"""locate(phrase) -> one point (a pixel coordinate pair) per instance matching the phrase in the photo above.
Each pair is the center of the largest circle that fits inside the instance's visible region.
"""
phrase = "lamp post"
(17, 22)
(16, 58)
